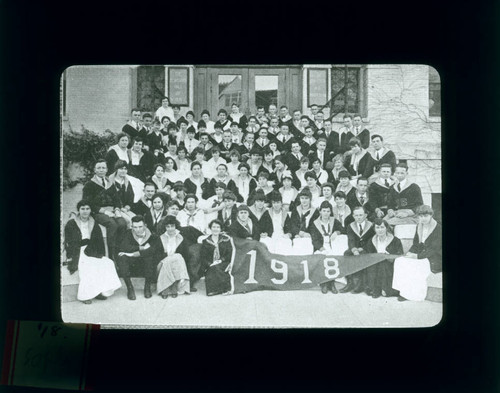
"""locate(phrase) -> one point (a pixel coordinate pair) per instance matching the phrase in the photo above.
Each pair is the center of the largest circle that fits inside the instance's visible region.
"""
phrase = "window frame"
(309, 103)
(362, 89)
(186, 103)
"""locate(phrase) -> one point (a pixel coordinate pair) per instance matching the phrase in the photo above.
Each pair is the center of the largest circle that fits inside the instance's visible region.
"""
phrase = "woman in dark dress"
(156, 213)
(85, 252)
(378, 277)
(217, 256)
(424, 258)
(121, 191)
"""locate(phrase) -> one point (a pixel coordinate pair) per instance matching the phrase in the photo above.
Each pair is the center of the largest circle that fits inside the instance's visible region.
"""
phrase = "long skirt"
(97, 276)
(278, 244)
(172, 275)
(410, 277)
(218, 279)
(378, 277)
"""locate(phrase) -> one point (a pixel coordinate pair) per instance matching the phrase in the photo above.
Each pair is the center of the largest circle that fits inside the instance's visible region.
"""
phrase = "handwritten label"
(47, 354)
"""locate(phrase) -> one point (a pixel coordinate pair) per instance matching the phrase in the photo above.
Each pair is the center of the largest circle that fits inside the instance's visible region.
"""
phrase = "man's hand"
(380, 213)
(355, 252)
(126, 254)
(390, 213)
(145, 247)
(411, 255)
(109, 213)
(263, 234)
(304, 234)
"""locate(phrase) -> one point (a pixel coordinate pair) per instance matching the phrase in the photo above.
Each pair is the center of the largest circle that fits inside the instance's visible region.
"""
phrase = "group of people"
(288, 181)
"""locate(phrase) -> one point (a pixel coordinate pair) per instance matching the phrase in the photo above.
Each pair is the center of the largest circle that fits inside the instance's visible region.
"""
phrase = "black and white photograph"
(251, 196)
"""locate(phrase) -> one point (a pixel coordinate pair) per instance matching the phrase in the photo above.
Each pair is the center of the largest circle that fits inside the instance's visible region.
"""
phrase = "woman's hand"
(333, 236)
(125, 254)
(390, 213)
(109, 213)
(411, 255)
(380, 213)
(304, 234)
(263, 234)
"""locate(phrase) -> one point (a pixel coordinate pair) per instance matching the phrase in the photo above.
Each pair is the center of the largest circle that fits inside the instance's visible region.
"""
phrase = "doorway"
(219, 87)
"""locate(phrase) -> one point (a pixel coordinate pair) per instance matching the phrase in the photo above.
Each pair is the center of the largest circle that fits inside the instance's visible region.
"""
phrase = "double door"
(249, 87)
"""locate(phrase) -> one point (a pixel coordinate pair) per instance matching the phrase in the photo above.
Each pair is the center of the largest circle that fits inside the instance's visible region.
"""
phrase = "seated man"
(379, 190)
(138, 246)
(284, 139)
(143, 205)
(404, 198)
(359, 233)
(103, 206)
(133, 126)
(320, 153)
(382, 155)
(243, 227)
(358, 131)
(298, 222)
(308, 142)
(227, 145)
(361, 198)
(293, 159)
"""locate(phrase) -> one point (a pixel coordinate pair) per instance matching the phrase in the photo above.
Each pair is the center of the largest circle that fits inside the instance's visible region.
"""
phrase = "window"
(266, 90)
(150, 87)
(434, 93)
(178, 85)
(230, 91)
(317, 86)
(354, 90)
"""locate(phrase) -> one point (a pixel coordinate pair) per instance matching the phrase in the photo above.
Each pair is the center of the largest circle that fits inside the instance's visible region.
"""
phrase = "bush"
(83, 148)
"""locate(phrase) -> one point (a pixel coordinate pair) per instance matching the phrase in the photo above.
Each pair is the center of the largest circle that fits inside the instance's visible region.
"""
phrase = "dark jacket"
(318, 233)
(354, 240)
(431, 248)
(239, 231)
(410, 197)
(296, 222)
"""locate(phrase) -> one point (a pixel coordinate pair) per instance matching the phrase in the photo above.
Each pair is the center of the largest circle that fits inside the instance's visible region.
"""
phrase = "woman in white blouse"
(245, 184)
(191, 215)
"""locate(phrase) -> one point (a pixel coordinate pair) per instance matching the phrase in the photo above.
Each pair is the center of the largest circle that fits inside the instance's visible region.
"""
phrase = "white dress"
(97, 275)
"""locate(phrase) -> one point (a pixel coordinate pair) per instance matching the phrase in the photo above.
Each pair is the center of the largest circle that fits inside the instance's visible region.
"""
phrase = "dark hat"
(243, 207)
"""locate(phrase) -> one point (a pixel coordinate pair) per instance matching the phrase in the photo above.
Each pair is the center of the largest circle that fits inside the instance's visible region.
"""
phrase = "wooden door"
(266, 86)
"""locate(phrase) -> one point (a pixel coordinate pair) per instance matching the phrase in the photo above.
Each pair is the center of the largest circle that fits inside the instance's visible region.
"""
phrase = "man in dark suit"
(381, 155)
(358, 131)
(320, 153)
(359, 233)
(139, 246)
(361, 198)
(332, 139)
(244, 227)
(284, 139)
(133, 126)
(143, 205)
(292, 159)
(227, 145)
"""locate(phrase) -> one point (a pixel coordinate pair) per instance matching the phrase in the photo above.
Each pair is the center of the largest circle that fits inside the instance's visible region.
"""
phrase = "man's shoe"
(347, 288)
(332, 287)
(376, 295)
(131, 294)
(401, 299)
(87, 302)
(193, 289)
(101, 297)
(174, 295)
(324, 288)
(164, 295)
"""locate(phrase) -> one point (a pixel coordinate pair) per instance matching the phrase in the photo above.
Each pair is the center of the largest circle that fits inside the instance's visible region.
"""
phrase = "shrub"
(83, 148)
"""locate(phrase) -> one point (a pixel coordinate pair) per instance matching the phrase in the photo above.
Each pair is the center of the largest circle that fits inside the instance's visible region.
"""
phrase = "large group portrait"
(251, 195)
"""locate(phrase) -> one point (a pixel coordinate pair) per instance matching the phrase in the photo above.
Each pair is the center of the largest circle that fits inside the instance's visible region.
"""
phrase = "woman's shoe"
(101, 297)
(376, 295)
(174, 295)
(324, 288)
(164, 295)
(401, 299)
(87, 302)
(332, 287)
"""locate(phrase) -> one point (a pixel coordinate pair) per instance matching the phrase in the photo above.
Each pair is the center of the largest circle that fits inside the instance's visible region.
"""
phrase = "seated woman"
(321, 174)
(345, 184)
(298, 223)
(156, 213)
(141, 161)
(171, 171)
(338, 166)
(191, 215)
(121, 192)
(287, 191)
(215, 203)
(280, 167)
(268, 162)
(273, 148)
(234, 163)
(312, 186)
(361, 162)
(223, 177)
(341, 211)
(244, 227)
(162, 184)
(300, 181)
(217, 255)
(262, 186)
(327, 238)
(260, 215)
(423, 259)
(173, 276)
(277, 241)
(378, 277)
(119, 152)
(178, 194)
(183, 164)
(86, 253)
(228, 214)
(196, 183)
(245, 184)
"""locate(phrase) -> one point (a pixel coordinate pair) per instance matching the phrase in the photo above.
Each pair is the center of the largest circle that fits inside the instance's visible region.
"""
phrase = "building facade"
(400, 102)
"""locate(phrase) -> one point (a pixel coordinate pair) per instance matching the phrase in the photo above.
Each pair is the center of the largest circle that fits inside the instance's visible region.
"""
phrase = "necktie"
(325, 231)
(360, 229)
(386, 183)
(362, 199)
(227, 146)
(378, 157)
(303, 221)
(103, 182)
(399, 187)
(248, 228)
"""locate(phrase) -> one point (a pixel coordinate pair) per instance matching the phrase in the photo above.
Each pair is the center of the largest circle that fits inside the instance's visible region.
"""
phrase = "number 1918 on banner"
(330, 264)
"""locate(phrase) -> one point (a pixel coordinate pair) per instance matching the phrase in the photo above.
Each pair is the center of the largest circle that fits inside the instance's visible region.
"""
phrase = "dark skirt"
(378, 278)
(217, 280)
